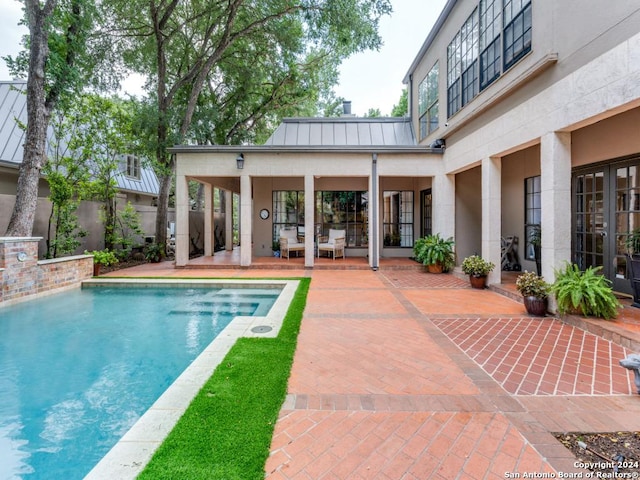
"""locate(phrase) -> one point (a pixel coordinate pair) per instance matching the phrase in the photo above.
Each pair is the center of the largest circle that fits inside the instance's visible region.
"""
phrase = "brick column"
(19, 259)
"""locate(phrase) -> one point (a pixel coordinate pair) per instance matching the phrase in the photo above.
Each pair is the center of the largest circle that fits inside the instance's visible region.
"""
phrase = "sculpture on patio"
(632, 362)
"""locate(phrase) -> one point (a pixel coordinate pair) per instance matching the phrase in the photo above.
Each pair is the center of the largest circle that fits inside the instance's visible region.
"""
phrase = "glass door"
(607, 208)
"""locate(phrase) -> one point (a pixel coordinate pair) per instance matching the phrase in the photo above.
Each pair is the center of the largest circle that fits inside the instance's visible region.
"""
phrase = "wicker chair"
(289, 243)
(333, 244)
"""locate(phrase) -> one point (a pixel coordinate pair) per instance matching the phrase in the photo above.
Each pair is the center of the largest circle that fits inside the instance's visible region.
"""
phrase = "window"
(532, 213)
(489, 42)
(397, 219)
(133, 166)
(288, 211)
(428, 103)
(517, 30)
(130, 165)
(427, 212)
(462, 66)
(494, 37)
(343, 210)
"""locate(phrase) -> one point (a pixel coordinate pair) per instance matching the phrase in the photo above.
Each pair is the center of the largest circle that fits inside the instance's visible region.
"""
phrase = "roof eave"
(430, 38)
(304, 149)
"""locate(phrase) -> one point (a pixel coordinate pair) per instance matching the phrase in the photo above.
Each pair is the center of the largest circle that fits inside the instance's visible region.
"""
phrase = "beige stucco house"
(137, 183)
(538, 103)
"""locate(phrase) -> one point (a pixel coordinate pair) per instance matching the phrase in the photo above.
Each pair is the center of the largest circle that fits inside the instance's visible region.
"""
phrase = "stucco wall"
(515, 168)
(468, 234)
(613, 137)
(596, 26)
(89, 217)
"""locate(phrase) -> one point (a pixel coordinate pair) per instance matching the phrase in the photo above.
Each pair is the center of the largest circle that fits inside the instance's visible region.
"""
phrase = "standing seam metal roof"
(344, 131)
(13, 105)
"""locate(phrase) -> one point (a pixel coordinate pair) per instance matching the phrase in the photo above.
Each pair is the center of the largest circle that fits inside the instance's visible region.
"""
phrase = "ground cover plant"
(608, 454)
(226, 431)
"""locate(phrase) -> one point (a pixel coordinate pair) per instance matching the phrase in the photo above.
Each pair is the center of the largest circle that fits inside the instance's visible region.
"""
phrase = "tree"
(185, 48)
(373, 113)
(105, 137)
(68, 176)
(57, 36)
(402, 108)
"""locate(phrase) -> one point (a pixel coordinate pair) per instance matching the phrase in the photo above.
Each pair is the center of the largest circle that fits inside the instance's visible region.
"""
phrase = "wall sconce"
(240, 161)
(439, 143)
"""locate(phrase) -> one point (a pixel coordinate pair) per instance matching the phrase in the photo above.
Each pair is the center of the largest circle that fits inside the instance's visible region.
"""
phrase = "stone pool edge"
(134, 450)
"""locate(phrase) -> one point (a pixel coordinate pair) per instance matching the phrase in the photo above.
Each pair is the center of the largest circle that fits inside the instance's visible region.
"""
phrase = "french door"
(606, 209)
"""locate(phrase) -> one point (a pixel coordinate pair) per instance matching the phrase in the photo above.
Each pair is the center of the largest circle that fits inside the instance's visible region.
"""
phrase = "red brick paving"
(405, 375)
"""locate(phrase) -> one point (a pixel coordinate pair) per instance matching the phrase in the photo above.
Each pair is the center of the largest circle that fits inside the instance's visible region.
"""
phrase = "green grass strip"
(226, 431)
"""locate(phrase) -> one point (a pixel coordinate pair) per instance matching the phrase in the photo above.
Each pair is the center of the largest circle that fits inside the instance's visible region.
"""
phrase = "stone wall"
(22, 275)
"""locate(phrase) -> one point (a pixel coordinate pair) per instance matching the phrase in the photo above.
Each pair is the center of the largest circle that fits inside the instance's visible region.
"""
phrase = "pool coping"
(130, 455)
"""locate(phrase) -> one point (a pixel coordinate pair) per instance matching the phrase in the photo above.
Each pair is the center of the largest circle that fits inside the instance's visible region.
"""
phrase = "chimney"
(346, 108)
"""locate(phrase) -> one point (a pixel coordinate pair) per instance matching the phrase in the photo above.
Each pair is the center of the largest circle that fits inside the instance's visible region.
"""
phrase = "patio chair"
(333, 244)
(289, 242)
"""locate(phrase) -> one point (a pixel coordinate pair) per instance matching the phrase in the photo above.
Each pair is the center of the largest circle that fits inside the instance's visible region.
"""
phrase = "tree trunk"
(34, 152)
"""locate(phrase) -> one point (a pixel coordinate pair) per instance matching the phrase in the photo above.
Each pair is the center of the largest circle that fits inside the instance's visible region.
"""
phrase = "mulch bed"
(609, 455)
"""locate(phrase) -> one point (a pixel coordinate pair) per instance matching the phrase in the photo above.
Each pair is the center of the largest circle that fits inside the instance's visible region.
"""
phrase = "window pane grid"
(498, 33)
(517, 36)
(397, 219)
(532, 213)
(428, 102)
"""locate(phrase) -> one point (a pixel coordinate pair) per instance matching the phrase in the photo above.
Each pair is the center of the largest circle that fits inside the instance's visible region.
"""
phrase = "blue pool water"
(79, 368)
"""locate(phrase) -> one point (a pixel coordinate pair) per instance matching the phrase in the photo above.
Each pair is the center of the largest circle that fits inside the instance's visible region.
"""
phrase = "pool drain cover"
(261, 329)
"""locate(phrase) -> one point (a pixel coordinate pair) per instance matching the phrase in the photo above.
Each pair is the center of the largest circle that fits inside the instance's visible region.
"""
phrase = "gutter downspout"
(374, 211)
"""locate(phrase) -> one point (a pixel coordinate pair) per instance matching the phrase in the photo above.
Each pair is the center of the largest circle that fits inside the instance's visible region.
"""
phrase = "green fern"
(586, 291)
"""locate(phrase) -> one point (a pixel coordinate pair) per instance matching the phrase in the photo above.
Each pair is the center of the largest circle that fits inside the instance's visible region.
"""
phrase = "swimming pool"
(78, 369)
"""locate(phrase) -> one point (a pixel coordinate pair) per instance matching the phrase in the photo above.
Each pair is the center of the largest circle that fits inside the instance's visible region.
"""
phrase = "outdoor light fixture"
(240, 161)
(439, 143)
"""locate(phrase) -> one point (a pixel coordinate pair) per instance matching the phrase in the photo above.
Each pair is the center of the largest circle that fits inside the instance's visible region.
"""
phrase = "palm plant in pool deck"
(435, 252)
(587, 292)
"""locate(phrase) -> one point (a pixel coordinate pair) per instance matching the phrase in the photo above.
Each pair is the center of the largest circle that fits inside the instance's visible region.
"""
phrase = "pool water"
(78, 369)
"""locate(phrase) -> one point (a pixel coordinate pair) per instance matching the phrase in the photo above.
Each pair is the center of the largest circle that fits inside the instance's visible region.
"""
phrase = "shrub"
(530, 284)
(103, 257)
(433, 249)
(586, 291)
(154, 252)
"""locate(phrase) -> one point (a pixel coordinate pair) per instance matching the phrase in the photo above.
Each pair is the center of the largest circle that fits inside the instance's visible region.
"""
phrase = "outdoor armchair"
(289, 242)
(334, 244)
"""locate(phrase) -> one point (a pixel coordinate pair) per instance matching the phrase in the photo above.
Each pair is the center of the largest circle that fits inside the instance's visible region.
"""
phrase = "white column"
(375, 223)
(246, 244)
(182, 221)
(555, 179)
(208, 220)
(444, 205)
(309, 220)
(492, 214)
(228, 220)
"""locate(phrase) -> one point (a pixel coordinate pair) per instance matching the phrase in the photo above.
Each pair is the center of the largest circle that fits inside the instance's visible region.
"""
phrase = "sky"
(371, 79)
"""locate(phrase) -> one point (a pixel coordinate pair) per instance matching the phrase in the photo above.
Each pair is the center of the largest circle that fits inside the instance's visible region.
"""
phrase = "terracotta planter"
(479, 282)
(96, 269)
(536, 306)
(434, 268)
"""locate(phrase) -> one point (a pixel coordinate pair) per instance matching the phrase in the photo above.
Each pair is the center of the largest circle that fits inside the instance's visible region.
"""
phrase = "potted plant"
(477, 268)
(587, 292)
(435, 252)
(275, 247)
(535, 293)
(102, 257)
